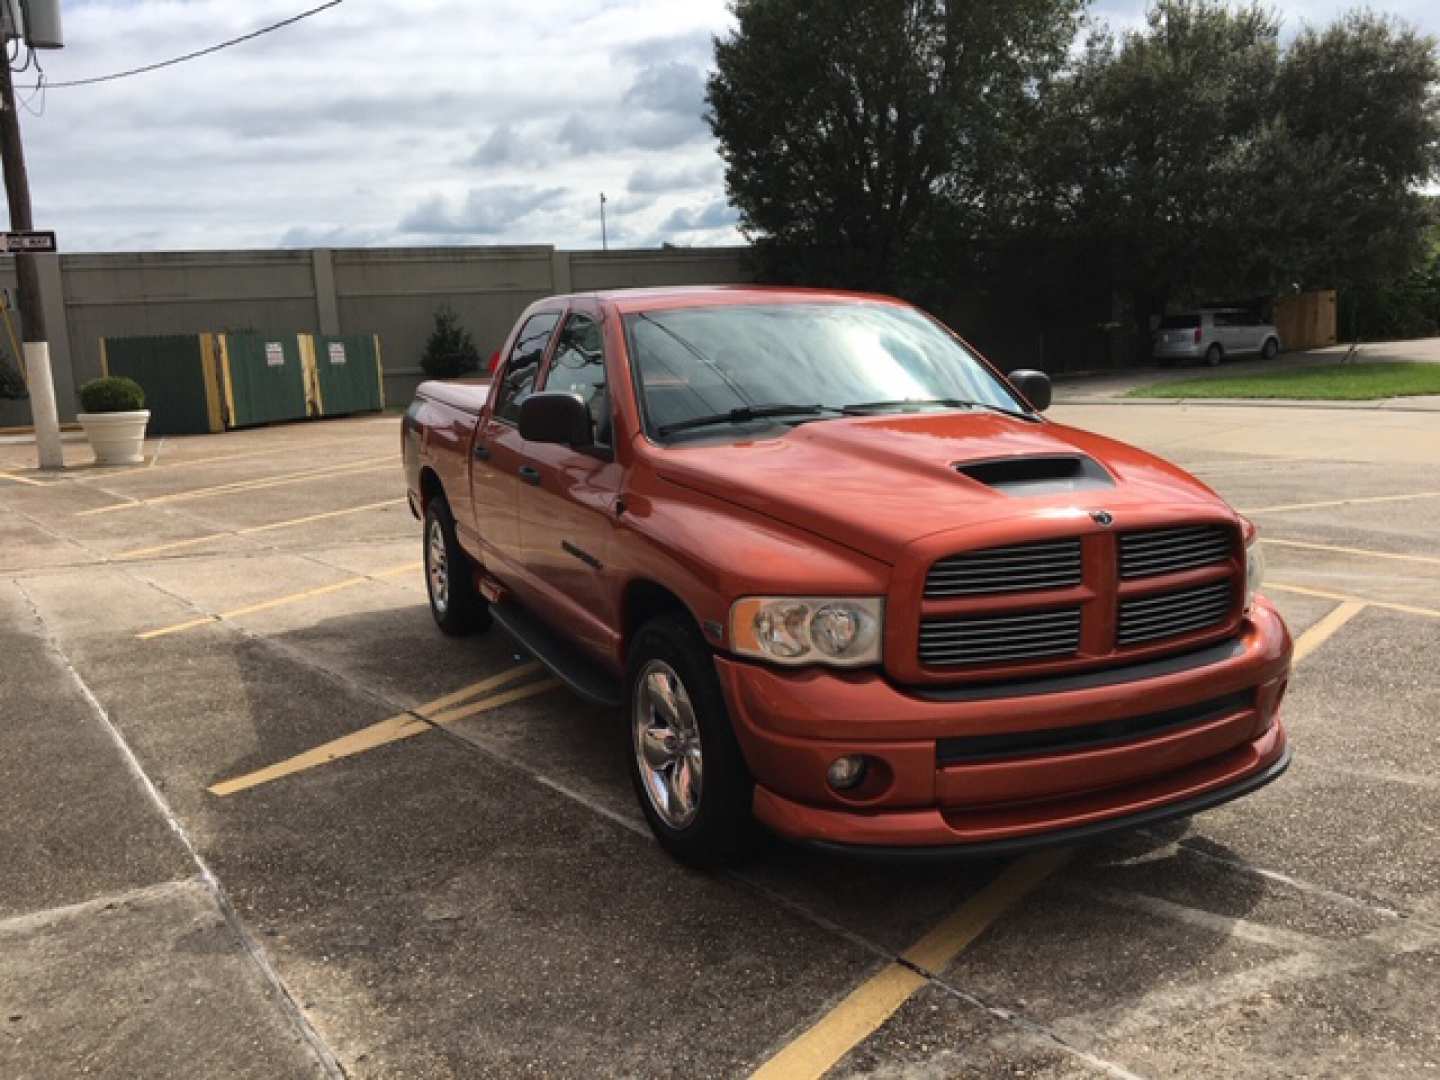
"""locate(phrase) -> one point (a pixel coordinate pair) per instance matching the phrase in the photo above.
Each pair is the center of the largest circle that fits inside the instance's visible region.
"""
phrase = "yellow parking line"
(136, 553)
(1366, 552)
(1325, 594)
(872, 1003)
(1325, 629)
(279, 601)
(395, 728)
(1341, 502)
(365, 465)
(152, 465)
(24, 480)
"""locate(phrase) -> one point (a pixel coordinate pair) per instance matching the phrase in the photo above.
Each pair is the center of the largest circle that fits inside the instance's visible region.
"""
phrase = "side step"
(569, 664)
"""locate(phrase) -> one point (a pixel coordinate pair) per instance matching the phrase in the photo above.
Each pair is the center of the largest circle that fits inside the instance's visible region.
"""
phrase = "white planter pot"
(118, 438)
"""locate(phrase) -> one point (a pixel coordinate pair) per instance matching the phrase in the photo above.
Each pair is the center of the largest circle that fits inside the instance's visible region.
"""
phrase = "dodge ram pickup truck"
(844, 578)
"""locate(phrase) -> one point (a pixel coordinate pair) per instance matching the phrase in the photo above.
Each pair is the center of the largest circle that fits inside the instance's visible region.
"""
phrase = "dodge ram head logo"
(1102, 517)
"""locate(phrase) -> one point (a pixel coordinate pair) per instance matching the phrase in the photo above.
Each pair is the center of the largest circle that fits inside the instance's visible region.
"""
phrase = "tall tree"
(864, 138)
(1146, 147)
(1356, 133)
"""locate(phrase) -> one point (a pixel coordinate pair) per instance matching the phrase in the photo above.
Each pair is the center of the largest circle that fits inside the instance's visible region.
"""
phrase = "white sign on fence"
(337, 352)
(274, 354)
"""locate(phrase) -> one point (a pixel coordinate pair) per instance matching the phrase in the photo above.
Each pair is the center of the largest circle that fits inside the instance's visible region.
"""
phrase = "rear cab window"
(517, 378)
(1180, 322)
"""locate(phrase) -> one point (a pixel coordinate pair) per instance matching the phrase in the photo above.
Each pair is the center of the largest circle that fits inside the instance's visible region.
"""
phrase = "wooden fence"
(1306, 321)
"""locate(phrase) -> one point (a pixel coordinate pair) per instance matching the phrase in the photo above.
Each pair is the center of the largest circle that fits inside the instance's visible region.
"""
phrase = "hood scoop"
(1039, 474)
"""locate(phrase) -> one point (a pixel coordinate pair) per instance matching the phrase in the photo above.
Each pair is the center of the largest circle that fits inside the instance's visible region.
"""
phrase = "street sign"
(35, 240)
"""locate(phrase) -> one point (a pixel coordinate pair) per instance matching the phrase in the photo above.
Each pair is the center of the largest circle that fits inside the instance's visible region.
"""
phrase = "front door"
(497, 454)
(567, 505)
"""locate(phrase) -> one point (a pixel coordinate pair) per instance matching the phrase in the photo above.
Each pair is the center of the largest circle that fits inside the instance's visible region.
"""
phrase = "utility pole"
(604, 240)
(27, 274)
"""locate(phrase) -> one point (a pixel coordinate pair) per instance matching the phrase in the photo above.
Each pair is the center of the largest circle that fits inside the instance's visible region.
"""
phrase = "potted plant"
(114, 419)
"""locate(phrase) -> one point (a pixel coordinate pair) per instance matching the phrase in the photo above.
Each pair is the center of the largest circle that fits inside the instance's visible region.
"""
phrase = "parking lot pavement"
(262, 819)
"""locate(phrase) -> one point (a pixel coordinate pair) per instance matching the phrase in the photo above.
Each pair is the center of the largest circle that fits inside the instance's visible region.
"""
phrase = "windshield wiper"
(743, 414)
(866, 407)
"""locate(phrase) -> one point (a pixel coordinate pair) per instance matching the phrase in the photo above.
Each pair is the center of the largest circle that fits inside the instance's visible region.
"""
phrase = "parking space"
(263, 819)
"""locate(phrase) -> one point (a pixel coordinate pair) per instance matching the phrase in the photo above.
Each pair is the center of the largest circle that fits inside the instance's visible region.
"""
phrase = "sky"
(400, 122)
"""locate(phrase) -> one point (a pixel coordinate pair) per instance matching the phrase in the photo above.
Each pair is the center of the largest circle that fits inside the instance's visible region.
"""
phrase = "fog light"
(846, 772)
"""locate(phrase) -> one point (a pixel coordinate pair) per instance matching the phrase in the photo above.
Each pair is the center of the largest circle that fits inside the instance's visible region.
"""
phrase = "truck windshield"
(711, 361)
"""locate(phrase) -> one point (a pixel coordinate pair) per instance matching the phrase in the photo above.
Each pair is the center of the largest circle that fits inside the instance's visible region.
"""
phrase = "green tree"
(1196, 158)
(450, 353)
(866, 140)
(12, 385)
(1146, 149)
(1356, 133)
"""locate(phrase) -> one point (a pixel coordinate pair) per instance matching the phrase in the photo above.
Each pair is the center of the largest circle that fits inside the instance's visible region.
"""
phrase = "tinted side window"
(519, 378)
(579, 367)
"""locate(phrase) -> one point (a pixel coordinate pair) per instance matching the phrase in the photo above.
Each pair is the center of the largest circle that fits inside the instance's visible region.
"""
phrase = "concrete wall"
(389, 291)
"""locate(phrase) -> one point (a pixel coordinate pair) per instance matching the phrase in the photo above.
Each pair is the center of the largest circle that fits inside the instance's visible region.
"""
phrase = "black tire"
(455, 602)
(1270, 349)
(720, 828)
(1214, 355)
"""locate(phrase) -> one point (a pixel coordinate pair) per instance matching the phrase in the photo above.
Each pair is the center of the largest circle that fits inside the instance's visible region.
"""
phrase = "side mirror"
(556, 417)
(1034, 387)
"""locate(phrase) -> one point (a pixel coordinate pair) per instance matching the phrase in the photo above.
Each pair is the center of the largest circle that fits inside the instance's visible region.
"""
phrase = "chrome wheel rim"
(437, 568)
(667, 744)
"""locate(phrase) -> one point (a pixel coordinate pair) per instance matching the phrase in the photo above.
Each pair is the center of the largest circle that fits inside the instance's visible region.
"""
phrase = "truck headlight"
(843, 631)
(1254, 569)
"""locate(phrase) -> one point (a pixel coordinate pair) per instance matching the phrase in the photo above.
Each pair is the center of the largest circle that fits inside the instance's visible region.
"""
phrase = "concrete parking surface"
(261, 819)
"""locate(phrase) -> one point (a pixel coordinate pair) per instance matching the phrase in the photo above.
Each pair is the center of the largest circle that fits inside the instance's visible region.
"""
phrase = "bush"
(12, 384)
(114, 393)
(450, 353)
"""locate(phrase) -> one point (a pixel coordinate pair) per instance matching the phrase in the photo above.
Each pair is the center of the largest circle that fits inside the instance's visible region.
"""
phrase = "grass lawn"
(1330, 382)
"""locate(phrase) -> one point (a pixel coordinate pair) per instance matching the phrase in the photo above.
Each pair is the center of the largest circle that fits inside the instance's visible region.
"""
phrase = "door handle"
(482, 453)
(530, 474)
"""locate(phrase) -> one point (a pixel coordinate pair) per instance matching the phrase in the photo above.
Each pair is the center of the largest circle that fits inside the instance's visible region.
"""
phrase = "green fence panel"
(348, 372)
(267, 379)
(171, 370)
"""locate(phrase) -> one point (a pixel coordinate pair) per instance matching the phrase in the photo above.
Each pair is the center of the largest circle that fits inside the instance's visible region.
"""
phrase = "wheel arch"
(645, 599)
(430, 487)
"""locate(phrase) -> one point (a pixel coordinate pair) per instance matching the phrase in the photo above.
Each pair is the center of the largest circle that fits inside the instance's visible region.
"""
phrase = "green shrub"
(12, 385)
(450, 353)
(114, 393)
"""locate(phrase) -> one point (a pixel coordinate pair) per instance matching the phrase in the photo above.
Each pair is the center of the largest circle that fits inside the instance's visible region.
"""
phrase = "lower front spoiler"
(1019, 845)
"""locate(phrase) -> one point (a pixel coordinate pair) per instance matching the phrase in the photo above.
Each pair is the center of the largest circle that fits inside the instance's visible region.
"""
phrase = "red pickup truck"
(843, 577)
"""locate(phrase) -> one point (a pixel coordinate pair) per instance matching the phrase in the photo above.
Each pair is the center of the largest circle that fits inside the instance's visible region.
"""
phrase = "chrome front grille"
(1165, 551)
(999, 639)
(1168, 614)
(1052, 564)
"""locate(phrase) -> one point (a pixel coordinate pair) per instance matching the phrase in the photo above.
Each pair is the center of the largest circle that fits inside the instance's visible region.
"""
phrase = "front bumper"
(1047, 783)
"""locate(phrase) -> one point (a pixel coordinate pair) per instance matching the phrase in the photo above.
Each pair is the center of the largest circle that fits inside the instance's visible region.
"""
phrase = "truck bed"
(467, 395)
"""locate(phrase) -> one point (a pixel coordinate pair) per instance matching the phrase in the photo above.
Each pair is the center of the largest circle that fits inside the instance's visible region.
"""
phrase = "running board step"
(569, 665)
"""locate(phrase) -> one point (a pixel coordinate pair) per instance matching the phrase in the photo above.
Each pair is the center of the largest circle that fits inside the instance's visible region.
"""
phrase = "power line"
(189, 56)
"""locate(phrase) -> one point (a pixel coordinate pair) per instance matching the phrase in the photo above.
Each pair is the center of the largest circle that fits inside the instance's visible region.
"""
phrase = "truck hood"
(877, 484)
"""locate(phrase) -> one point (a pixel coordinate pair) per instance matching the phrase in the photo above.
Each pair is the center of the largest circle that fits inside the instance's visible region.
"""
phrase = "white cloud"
(376, 122)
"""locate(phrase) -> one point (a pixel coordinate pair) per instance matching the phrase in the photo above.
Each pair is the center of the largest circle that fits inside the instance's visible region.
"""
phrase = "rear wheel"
(1214, 355)
(688, 772)
(455, 602)
(1269, 350)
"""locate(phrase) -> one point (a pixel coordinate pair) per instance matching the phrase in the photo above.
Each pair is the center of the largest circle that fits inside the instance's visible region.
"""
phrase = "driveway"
(1110, 385)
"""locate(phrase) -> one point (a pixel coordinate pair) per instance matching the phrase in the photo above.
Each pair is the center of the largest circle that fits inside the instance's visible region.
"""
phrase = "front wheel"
(1269, 350)
(688, 772)
(455, 602)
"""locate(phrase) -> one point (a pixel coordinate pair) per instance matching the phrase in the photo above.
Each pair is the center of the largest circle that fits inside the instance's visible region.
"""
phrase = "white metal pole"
(42, 405)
